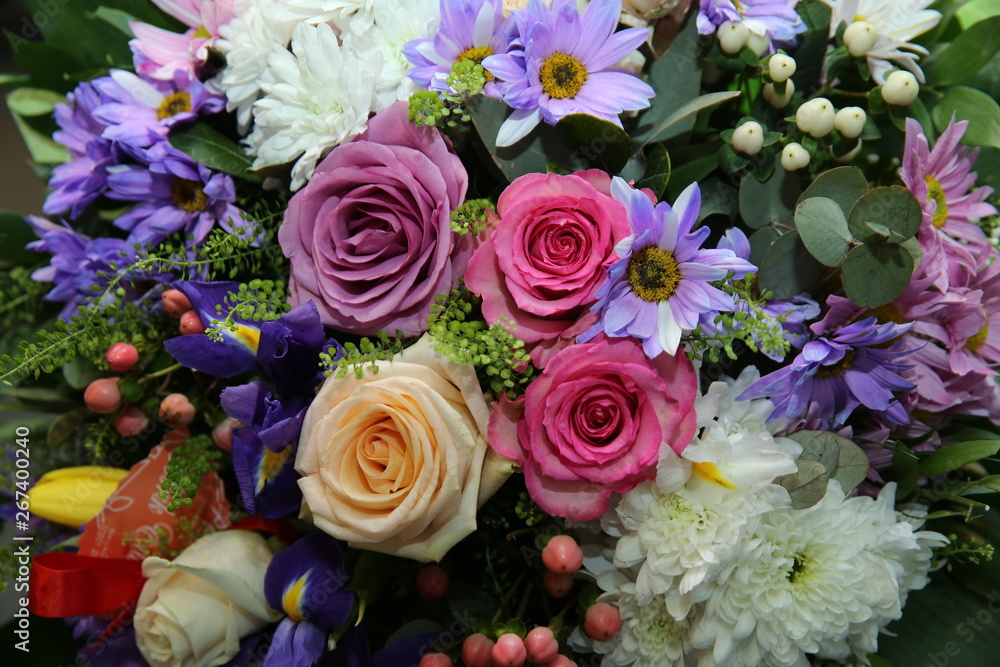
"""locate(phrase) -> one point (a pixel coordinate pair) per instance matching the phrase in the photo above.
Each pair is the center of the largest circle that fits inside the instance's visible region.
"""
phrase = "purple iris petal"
(840, 374)
(305, 581)
(295, 645)
(264, 450)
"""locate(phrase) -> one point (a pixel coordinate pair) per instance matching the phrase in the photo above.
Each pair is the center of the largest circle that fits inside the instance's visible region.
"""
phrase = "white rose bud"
(816, 117)
(780, 67)
(900, 88)
(772, 97)
(860, 37)
(850, 121)
(733, 37)
(793, 157)
(748, 138)
(759, 44)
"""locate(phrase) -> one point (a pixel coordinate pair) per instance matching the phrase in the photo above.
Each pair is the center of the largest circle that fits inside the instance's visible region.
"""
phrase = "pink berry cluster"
(562, 556)
(105, 395)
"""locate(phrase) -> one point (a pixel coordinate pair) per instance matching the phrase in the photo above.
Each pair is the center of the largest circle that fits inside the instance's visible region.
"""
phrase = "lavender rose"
(369, 237)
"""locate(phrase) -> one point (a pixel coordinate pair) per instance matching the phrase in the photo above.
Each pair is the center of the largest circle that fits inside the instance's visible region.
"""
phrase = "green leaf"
(10, 79)
(65, 425)
(981, 110)
(600, 142)
(952, 457)
(33, 101)
(531, 154)
(975, 11)
(820, 446)
(41, 146)
(969, 51)
(912, 246)
(730, 160)
(80, 372)
(823, 229)
(895, 207)
(770, 202)
(678, 72)
(15, 233)
(117, 18)
(844, 185)
(904, 471)
(689, 109)
(691, 163)
(787, 268)
(657, 174)
(811, 52)
(214, 150)
(807, 485)
(760, 241)
(874, 275)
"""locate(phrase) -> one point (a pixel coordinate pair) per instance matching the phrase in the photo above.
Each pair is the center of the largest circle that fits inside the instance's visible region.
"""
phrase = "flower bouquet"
(478, 332)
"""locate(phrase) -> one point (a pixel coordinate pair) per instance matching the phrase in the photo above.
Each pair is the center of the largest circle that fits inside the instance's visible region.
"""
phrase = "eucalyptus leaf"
(115, 17)
(852, 465)
(600, 142)
(912, 246)
(770, 202)
(952, 457)
(760, 241)
(807, 485)
(823, 229)
(874, 275)
(33, 101)
(214, 150)
(787, 268)
(893, 207)
(820, 446)
(844, 185)
(811, 52)
(981, 110)
(80, 372)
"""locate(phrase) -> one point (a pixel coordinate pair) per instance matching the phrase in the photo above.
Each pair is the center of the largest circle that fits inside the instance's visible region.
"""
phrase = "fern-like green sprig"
(256, 301)
(362, 356)
(188, 465)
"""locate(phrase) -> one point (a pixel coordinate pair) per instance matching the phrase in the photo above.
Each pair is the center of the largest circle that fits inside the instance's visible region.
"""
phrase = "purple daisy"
(660, 286)
(839, 374)
(77, 183)
(776, 20)
(141, 112)
(471, 29)
(567, 66)
(78, 263)
(175, 194)
(306, 582)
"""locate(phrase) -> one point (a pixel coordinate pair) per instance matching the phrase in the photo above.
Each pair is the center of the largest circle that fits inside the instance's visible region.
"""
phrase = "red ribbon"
(279, 527)
(73, 585)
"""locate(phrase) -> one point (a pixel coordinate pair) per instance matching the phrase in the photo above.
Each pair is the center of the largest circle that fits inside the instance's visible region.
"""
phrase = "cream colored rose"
(193, 610)
(397, 461)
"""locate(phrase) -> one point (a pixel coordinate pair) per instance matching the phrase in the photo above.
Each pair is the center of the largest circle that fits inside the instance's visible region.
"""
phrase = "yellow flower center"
(562, 76)
(653, 274)
(709, 473)
(291, 601)
(477, 54)
(936, 193)
(838, 368)
(188, 195)
(270, 465)
(975, 342)
(173, 105)
(884, 314)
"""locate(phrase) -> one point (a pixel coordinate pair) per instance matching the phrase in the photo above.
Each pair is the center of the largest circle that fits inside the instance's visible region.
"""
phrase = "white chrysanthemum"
(248, 41)
(355, 16)
(316, 98)
(396, 23)
(897, 24)
(650, 636)
(817, 580)
(680, 544)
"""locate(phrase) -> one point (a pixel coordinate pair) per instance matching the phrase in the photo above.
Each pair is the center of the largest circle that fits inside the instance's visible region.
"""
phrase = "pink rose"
(553, 241)
(369, 237)
(593, 423)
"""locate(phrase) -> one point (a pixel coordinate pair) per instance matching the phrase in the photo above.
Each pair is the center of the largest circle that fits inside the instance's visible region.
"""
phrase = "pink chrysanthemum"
(942, 180)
